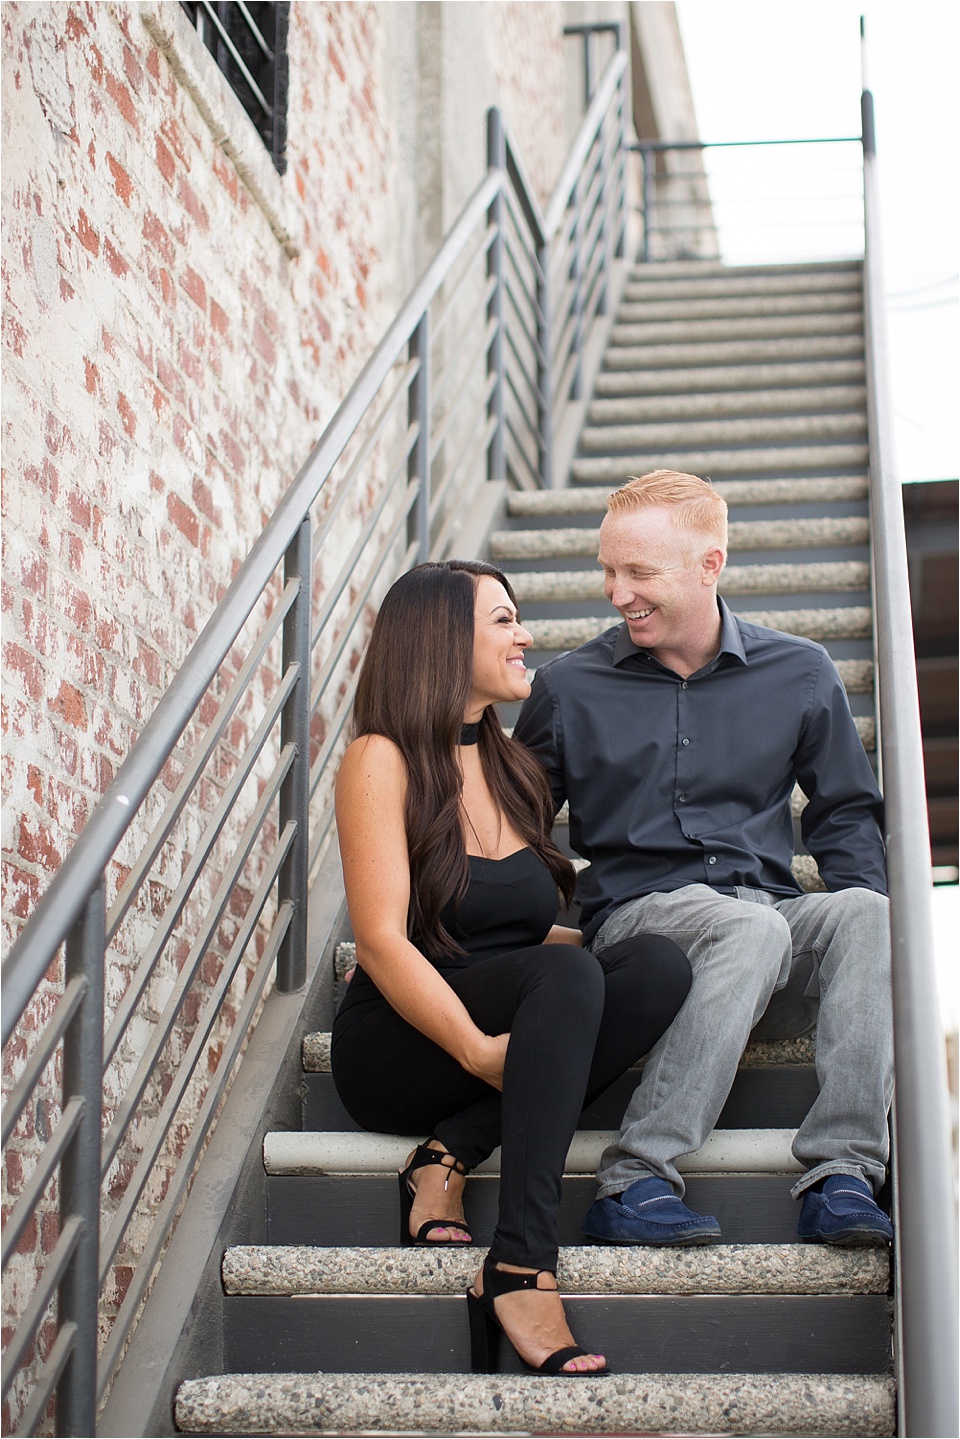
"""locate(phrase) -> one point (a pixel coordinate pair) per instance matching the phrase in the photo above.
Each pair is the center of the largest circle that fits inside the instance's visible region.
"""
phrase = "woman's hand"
(560, 934)
(486, 1058)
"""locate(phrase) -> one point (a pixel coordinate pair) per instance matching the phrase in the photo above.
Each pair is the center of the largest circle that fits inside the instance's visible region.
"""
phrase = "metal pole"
(621, 223)
(79, 1291)
(295, 790)
(496, 160)
(926, 1232)
(418, 413)
(544, 368)
(604, 240)
(576, 339)
(587, 68)
(647, 155)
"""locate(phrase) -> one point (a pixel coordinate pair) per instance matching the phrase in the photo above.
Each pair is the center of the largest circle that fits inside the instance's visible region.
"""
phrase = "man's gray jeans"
(764, 968)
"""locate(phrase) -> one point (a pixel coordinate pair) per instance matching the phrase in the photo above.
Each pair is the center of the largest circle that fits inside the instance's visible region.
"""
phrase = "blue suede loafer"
(843, 1211)
(648, 1212)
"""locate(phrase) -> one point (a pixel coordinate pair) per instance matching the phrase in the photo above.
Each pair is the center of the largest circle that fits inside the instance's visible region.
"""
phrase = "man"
(677, 738)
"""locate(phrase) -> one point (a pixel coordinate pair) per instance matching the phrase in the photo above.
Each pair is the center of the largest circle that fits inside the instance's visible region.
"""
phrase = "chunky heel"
(484, 1336)
(421, 1157)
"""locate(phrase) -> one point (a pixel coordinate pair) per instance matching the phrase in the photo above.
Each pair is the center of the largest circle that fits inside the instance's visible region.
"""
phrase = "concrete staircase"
(754, 378)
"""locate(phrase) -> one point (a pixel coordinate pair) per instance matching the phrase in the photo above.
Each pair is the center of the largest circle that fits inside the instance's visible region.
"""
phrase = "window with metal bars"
(248, 41)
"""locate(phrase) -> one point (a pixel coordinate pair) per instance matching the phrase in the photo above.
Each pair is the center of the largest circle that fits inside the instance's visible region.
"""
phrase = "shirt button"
(711, 859)
(684, 742)
(683, 685)
(681, 799)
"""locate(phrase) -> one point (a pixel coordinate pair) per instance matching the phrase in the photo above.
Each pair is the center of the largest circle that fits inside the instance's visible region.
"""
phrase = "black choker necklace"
(469, 733)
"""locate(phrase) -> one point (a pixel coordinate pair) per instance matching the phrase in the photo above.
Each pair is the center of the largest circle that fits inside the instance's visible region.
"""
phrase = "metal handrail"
(927, 1236)
(462, 294)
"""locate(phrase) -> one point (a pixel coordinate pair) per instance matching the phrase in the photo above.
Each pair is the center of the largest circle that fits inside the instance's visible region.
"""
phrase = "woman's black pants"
(576, 1023)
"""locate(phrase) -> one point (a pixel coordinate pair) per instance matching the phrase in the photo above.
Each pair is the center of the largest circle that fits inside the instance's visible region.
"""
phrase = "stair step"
(720, 376)
(758, 1151)
(819, 271)
(819, 400)
(823, 576)
(765, 430)
(588, 500)
(853, 622)
(650, 1403)
(587, 1269)
(637, 309)
(757, 351)
(795, 534)
(760, 1054)
(731, 328)
(716, 463)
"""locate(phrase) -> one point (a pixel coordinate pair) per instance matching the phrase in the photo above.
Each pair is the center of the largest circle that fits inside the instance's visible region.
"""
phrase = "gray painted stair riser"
(766, 430)
(762, 327)
(850, 623)
(743, 535)
(588, 500)
(582, 1269)
(311, 1403)
(757, 351)
(732, 376)
(821, 576)
(809, 400)
(773, 462)
(821, 273)
(652, 306)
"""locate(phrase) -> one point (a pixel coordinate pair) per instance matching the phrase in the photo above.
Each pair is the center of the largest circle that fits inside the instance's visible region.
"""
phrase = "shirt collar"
(731, 641)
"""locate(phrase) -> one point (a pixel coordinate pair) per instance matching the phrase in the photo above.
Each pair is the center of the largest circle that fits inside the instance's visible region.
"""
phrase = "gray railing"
(193, 872)
(927, 1338)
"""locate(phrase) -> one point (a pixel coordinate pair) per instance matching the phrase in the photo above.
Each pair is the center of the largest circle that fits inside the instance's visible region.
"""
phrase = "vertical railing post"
(418, 414)
(79, 1290)
(587, 38)
(576, 272)
(621, 222)
(496, 160)
(604, 239)
(295, 790)
(544, 367)
(648, 182)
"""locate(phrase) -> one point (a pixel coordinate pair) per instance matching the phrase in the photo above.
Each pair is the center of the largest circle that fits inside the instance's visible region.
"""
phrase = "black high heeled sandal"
(486, 1329)
(423, 1156)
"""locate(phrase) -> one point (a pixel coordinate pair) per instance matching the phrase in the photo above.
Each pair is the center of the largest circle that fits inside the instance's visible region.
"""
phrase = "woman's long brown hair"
(413, 688)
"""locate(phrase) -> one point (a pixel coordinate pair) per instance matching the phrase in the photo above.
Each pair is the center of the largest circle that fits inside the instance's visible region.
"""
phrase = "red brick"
(263, 344)
(123, 100)
(114, 259)
(226, 173)
(219, 318)
(127, 417)
(192, 204)
(33, 574)
(87, 235)
(36, 846)
(131, 68)
(172, 133)
(70, 704)
(17, 660)
(165, 161)
(121, 180)
(335, 61)
(91, 376)
(203, 500)
(184, 518)
(156, 235)
(195, 287)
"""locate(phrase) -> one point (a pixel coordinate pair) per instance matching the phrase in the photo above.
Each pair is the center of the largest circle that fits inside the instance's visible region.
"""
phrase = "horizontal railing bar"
(49, 1158)
(562, 349)
(518, 446)
(255, 31)
(441, 432)
(158, 940)
(134, 1088)
(360, 600)
(29, 1320)
(531, 424)
(658, 146)
(527, 366)
(161, 1125)
(525, 195)
(345, 574)
(211, 738)
(441, 492)
(123, 1322)
(80, 872)
(605, 92)
(451, 491)
(529, 295)
(447, 302)
(53, 1032)
(47, 1379)
(564, 379)
(238, 59)
(519, 229)
(400, 390)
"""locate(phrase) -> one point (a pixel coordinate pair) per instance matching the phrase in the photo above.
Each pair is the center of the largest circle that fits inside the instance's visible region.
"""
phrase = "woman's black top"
(509, 904)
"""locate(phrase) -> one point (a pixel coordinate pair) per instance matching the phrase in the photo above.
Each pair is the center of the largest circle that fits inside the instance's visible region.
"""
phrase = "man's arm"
(842, 824)
(539, 729)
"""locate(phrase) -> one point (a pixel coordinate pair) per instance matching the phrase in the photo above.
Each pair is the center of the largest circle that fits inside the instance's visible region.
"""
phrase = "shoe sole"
(850, 1239)
(694, 1239)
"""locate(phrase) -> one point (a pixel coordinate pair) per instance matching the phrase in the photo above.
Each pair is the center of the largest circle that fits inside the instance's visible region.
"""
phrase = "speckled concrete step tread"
(814, 401)
(820, 273)
(726, 1151)
(704, 377)
(759, 351)
(731, 328)
(651, 305)
(714, 464)
(851, 622)
(822, 576)
(747, 1404)
(590, 1269)
(743, 535)
(592, 499)
(779, 429)
(761, 1054)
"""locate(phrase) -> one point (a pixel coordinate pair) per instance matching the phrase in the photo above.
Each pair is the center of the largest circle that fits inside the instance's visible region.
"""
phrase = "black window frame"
(248, 42)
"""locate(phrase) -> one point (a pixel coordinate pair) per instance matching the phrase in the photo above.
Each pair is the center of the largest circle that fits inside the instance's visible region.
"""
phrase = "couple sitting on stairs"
(677, 738)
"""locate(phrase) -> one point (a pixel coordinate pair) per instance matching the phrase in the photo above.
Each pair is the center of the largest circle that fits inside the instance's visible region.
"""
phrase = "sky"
(780, 69)
(777, 69)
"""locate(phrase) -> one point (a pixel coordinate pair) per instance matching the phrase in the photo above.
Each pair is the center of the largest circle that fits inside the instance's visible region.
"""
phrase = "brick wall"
(179, 325)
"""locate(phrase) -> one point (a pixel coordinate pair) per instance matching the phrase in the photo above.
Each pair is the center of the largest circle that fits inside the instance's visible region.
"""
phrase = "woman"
(471, 1015)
